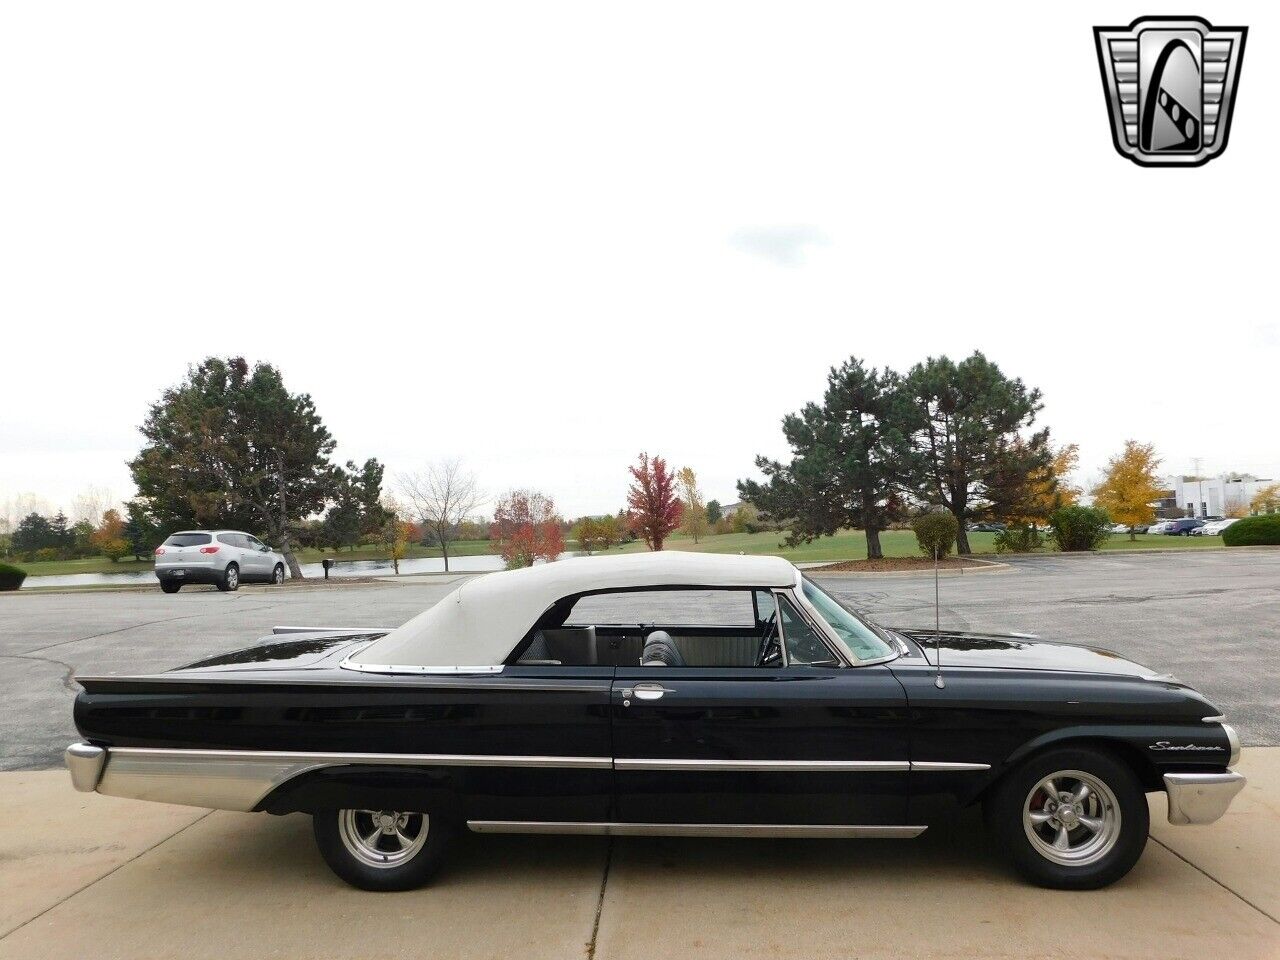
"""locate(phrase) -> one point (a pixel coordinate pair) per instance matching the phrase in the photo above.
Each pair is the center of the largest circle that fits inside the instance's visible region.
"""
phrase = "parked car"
(1158, 527)
(225, 558)
(578, 697)
(986, 528)
(1213, 528)
(1183, 527)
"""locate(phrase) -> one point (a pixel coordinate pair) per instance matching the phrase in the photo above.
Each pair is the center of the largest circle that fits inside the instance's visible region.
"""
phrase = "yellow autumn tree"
(1050, 487)
(694, 515)
(1130, 487)
(1266, 500)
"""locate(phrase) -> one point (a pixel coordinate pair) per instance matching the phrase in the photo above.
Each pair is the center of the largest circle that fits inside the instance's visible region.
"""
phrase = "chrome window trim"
(349, 664)
(829, 632)
(792, 595)
(617, 829)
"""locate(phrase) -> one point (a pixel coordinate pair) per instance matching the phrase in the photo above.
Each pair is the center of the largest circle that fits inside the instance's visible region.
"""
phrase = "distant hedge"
(1253, 531)
(11, 577)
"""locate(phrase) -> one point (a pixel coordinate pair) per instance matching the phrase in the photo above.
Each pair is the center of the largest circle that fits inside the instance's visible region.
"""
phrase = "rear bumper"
(189, 574)
(1201, 797)
(85, 761)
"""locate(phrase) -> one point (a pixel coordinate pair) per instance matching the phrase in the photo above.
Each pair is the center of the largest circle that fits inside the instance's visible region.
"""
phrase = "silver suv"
(221, 557)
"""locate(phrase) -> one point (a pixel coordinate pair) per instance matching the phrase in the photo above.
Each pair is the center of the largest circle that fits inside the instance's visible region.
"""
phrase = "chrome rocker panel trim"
(241, 779)
(696, 829)
(1201, 797)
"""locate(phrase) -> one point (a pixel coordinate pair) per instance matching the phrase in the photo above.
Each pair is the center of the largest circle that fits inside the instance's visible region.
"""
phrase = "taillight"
(159, 550)
(208, 549)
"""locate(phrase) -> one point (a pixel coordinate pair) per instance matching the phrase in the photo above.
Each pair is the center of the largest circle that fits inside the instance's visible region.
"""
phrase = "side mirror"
(264, 549)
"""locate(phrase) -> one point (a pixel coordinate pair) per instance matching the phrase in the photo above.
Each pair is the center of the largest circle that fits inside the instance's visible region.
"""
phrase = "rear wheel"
(170, 586)
(1072, 819)
(230, 578)
(381, 849)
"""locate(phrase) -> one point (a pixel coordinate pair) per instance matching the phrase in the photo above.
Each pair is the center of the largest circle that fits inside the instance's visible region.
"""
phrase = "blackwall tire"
(230, 581)
(169, 586)
(277, 575)
(382, 850)
(1075, 818)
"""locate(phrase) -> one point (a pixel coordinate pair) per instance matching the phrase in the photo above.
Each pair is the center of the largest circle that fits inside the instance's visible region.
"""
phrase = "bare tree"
(441, 496)
(91, 503)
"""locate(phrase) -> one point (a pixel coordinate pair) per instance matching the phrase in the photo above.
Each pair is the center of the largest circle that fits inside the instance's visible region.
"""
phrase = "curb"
(987, 566)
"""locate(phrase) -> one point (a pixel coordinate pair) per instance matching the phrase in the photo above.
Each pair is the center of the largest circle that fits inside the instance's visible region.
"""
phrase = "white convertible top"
(480, 623)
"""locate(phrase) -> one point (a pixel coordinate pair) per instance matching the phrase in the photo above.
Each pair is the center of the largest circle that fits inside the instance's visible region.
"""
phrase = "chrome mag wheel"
(383, 838)
(1071, 818)
(278, 575)
(233, 578)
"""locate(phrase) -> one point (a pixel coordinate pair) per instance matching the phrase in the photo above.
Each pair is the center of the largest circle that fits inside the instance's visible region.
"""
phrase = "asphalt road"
(1212, 619)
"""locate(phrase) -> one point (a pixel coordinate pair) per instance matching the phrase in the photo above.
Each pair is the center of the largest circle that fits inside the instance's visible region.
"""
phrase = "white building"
(1215, 496)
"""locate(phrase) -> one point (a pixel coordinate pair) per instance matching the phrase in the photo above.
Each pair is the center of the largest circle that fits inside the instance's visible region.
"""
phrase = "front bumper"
(1201, 797)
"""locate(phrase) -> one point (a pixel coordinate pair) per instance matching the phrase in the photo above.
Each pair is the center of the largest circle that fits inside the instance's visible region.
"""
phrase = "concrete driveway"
(93, 876)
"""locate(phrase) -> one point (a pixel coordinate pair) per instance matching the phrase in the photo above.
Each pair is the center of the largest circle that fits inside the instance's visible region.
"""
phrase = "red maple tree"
(654, 508)
(526, 528)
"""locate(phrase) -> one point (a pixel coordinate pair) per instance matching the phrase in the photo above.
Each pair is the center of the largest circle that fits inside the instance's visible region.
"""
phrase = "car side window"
(804, 645)
(253, 542)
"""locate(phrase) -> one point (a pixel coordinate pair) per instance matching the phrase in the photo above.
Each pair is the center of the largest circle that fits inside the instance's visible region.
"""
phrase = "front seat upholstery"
(661, 651)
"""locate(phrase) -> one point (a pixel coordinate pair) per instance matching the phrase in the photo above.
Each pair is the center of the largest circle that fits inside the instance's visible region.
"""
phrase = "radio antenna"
(937, 626)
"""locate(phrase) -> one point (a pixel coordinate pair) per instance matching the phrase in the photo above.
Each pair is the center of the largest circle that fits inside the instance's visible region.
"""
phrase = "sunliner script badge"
(1166, 745)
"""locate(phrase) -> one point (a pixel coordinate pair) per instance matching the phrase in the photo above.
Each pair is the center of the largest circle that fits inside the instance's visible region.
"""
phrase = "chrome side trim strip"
(764, 766)
(356, 680)
(285, 629)
(931, 766)
(401, 759)
(697, 829)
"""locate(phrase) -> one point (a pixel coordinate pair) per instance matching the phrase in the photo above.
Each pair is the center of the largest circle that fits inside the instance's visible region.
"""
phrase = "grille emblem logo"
(1170, 84)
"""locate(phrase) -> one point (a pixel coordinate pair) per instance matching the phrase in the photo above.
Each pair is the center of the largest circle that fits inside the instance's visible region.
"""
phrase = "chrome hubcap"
(383, 838)
(1072, 818)
(279, 576)
(232, 577)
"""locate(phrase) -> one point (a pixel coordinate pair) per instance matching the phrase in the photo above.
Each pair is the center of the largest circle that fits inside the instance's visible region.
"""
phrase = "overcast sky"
(544, 237)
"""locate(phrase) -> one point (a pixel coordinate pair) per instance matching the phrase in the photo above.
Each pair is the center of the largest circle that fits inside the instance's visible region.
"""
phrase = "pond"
(482, 563)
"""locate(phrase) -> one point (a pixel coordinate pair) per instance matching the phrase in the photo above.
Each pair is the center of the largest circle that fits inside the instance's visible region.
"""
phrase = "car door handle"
(649, 691)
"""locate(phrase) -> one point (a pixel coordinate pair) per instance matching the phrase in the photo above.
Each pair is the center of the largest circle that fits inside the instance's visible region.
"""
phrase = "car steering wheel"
(770, 650)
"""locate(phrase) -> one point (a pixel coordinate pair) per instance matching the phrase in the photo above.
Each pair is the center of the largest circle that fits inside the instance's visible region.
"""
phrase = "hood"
(298, 652)
(1011, 651)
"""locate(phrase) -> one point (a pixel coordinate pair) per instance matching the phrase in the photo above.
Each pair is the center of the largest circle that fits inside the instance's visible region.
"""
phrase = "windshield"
(862, 642)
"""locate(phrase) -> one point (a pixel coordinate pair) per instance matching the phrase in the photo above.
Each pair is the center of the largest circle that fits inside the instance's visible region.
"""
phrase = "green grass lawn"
(852, 544)
(845, 545)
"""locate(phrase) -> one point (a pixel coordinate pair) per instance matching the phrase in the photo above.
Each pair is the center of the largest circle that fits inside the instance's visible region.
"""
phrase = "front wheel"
(381, 849)
(170, 586)
(277, 575)
(1071, 819)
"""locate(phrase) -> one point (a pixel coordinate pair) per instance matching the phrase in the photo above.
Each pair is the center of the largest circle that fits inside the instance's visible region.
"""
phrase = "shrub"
(11, 577)
(1253, 531)
(1022, 539)
(936, 530)
(1079, 528)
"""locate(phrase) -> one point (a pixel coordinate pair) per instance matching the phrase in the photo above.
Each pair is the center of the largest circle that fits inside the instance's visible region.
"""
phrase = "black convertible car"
(578, 697)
